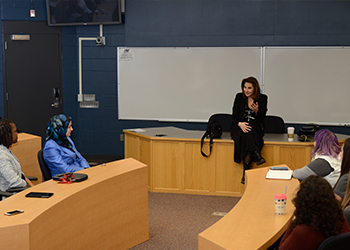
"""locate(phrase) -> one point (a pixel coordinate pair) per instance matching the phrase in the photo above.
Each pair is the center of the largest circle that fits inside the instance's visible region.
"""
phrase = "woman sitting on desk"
(60, 153)
(326, 160)
(317, 216)
(11, 175)
(248, 113)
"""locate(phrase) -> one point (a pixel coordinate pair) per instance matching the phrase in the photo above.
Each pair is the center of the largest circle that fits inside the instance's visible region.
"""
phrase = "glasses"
(67, 178)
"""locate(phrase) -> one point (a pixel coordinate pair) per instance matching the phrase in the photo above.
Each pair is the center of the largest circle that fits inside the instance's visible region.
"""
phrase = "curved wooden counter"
(252, 223)
(177, 166)
(107, 211)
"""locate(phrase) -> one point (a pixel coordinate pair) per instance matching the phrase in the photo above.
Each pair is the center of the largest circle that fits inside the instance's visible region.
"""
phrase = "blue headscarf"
(56, 130)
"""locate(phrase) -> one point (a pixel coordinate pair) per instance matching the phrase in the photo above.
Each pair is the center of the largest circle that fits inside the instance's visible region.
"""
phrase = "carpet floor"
(175, 220)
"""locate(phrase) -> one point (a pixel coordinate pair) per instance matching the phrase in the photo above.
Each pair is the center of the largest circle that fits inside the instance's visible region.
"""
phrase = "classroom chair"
(339, 242)
(43, 166)
(225, 120)
(274, 124)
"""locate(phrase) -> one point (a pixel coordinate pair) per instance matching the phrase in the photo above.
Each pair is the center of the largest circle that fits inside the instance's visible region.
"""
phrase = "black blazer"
(239, 106)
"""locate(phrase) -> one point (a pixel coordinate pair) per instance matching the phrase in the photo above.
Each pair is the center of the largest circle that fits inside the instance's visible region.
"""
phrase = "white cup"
(290, 133)
(280, 204)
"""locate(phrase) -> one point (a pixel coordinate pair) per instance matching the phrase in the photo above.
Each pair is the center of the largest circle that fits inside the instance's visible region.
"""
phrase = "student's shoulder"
(50, 144)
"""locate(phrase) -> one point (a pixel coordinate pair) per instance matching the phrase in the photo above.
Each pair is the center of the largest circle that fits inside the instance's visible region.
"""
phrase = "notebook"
(279, 174)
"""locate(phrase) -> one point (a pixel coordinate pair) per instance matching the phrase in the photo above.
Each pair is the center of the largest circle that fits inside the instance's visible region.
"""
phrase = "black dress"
(252, 141)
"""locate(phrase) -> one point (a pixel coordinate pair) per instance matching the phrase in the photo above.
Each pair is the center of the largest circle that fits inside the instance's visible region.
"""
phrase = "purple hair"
(326, 143)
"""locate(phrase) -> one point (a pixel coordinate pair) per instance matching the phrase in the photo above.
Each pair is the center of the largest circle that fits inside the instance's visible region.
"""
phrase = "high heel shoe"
(258, 158)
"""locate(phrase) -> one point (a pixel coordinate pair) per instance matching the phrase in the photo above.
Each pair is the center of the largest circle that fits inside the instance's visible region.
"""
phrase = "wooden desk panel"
(176, 164)
(252, 223)
(197, 175)
(228, 174)
(140, 149)
(167, 177)
(108, 211)
(26, 150)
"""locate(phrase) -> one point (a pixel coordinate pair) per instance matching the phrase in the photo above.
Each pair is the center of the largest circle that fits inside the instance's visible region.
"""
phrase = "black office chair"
(225, 120)
(274, 124)
(43, 167)
(339, 242)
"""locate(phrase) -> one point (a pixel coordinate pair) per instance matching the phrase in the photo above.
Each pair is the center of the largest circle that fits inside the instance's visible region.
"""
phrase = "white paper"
(127, 55)
(137, 130)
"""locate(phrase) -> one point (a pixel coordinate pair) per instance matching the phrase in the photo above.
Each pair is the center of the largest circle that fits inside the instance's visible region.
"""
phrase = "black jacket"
(241, 104)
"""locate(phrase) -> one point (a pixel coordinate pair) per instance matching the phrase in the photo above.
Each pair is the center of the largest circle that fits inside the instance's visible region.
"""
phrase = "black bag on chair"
(214, 131)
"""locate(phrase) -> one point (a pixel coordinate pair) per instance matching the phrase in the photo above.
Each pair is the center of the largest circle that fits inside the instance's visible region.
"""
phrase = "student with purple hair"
(326, 161)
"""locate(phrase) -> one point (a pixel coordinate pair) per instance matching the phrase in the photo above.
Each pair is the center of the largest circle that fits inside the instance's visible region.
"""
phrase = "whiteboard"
(182, 83)
(308, 84)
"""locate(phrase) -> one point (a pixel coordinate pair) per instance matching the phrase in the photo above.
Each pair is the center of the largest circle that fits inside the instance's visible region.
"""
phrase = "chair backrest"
(339, 242)
(274, 124)
(225, 120)
(43, 166)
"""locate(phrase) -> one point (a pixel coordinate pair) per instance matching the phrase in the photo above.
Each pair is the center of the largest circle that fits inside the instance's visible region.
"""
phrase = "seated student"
(346, 200)
(11, 175)
(317, 216)
(60, 153)
(325, 158)
(340, 187)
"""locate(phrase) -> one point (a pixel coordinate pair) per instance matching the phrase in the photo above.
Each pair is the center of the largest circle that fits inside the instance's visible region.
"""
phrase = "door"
(32, 74)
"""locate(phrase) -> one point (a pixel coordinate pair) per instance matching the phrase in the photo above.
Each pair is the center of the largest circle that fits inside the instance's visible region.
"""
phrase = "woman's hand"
(245, 127)
(254, 106)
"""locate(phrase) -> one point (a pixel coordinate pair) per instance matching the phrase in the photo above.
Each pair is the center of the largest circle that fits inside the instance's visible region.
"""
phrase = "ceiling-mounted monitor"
(83, 12)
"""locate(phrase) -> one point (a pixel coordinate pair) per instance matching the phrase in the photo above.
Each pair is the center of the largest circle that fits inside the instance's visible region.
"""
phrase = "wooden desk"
(177, 166)
(26, 150)
(252, 223)
(107, 211)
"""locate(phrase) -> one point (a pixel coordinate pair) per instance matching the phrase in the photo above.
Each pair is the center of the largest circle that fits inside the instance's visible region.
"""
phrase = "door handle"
(56, 98)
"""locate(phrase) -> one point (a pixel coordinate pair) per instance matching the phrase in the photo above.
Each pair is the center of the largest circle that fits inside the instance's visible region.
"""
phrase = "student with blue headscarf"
(60, 153)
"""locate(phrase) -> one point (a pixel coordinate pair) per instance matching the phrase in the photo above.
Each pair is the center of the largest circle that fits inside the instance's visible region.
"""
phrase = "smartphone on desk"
(17, 211)
(39, 195)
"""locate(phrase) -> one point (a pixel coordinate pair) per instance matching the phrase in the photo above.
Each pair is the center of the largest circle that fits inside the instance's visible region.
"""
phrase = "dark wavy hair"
(316, 205)
(255, 84)
(6, 132)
